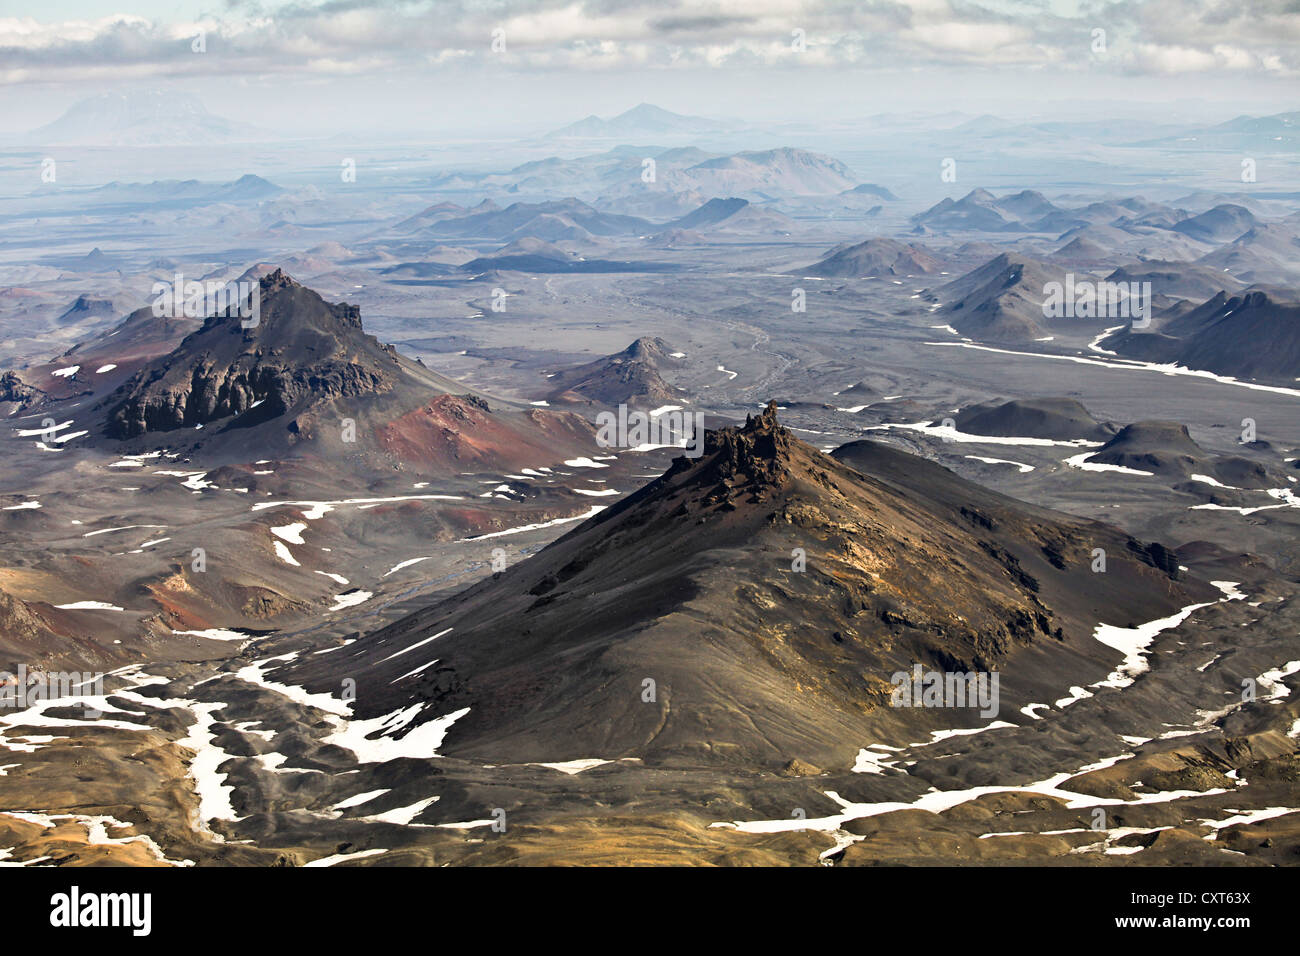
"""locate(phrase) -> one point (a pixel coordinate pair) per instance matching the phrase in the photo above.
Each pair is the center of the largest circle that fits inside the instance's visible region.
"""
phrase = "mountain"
(303, 349)
(1279, 133)
(539, 220)
(1082, 250)
(1268, 252)
(1100, 245)
(142, 118)
(1219, 224)
(672, 627)
(432, 214)
(86, 307)
(870, 190)
(711, 213)
(1253, 334)
(531, 254)
(300, 374)
(684, 179)
(526, 254)
(1160, 447)
(980, 211)
(1059, 419)
(1176, 279)
(1102, 213)
(772, 172)
(876, 257)
(630, 377)
(1168, 450)
(643, 120)
(1001, 300)
(733, 215)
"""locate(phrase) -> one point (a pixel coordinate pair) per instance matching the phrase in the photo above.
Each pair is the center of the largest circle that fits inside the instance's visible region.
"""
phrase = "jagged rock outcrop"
(302, 350)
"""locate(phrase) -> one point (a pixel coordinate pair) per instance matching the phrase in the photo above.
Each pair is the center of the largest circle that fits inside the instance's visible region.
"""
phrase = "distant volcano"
(629, 377)
(305, 368)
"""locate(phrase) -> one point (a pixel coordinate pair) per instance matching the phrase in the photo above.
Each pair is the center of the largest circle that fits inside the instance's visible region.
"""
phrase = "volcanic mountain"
(876, 257)
(302, 373)
(1001, 300)
(1168, 449)
(86, 307)
(748, 608)
(738, 215)
(1269, 252)
(546, 220)
(772, 172)
(710, 214)
(1058, 419)
(1250, 335)
(644, 119)
(1219, 224)
(1176, 279)
(629, 377)
(981, 211)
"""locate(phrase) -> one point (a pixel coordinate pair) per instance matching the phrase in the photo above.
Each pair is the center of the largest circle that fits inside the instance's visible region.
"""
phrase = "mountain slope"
(980, 210)
(1001, 300)
(672, 627)
(630, 377)
(784, 171)
(1058, 419)
(1250, 335)
(302, 374)
(876, 257)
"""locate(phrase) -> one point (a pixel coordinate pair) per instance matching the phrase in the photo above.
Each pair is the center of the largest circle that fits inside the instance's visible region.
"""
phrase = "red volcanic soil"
(457, 430)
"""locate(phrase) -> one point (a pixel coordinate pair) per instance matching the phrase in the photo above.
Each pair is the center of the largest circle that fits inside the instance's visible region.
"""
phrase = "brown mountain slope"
(675, 628)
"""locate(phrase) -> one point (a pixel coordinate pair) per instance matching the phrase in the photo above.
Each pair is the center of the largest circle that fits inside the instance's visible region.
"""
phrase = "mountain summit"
(302, 348)
(306, 367)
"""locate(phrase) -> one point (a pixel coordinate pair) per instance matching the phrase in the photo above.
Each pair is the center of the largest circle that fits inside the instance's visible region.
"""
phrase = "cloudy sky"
(383, 64)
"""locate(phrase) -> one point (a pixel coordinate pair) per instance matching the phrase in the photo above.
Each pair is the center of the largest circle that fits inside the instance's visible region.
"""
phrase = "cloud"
(353, 36)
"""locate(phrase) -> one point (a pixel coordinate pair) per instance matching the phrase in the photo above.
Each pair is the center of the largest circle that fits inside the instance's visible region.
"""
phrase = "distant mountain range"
(679, 178)
(143, 118)
(644, 121)
(574, 221)
(1279, 133)
(188, 191)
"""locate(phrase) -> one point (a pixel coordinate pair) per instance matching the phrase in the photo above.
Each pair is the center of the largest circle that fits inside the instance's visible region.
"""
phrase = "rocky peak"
(277, 280)
(758, 454)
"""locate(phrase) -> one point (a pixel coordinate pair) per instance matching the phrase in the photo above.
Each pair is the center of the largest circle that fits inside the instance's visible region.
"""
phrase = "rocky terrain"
(357, 584)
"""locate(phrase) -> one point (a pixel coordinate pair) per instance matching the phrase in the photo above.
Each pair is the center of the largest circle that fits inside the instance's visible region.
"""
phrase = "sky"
(324, 65)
